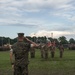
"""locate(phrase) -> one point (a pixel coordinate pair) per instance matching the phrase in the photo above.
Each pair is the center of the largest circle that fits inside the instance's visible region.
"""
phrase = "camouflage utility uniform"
(42, 51)
(52, 49)
(61, 49)
(32, 52)
(45, 52)
(20, 51)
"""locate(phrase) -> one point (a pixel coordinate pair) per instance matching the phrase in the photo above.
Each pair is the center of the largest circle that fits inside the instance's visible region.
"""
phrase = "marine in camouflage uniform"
(20, 52)
(42, 51)
(32, 52)
(45, 48)
(61, 49)
(52, 49)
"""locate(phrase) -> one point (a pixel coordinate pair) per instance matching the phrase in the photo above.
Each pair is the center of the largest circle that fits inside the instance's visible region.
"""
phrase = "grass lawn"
(39, 66)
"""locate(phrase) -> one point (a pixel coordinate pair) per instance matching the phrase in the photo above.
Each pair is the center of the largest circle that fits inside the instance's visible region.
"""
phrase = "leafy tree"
(71, 40)
(63, 40)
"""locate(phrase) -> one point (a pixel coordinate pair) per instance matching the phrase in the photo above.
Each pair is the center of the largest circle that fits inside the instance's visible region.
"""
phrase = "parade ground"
(39, 66)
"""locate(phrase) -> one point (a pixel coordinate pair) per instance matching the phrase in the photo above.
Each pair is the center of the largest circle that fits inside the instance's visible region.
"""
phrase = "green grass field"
(39, 66)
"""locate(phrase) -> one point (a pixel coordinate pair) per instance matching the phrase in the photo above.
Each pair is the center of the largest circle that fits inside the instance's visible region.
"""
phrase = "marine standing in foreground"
(19, 52)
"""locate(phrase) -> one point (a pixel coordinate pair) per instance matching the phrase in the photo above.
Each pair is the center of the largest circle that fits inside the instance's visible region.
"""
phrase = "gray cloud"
(37, 4)
(20, 24)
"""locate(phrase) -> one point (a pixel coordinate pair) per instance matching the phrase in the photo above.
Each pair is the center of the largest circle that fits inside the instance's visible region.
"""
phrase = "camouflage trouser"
(21, 70)
(46, 55)
(33, 55)
(61, 54)
(52, 54)
(42, 54)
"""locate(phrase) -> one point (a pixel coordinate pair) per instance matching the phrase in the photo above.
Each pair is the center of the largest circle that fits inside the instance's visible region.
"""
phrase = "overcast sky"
(39, 17)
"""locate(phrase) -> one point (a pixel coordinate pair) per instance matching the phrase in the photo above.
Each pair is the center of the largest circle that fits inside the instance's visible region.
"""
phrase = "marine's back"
(20, 50)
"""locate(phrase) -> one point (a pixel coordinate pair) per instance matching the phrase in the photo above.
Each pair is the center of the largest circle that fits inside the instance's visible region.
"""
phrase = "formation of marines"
(47, 49)
(51, 49)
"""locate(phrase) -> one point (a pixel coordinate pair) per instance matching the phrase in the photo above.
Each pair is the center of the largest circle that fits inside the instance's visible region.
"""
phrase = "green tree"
(63, 40)
(71, 40)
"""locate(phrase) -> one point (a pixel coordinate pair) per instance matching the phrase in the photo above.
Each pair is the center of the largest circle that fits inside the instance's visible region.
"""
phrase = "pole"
(51, 35)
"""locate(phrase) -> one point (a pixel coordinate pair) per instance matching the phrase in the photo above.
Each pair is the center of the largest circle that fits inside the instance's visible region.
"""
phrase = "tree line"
(62, 39)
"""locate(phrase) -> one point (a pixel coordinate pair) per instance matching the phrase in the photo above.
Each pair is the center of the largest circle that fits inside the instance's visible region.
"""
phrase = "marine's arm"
(34, 44)
(12, 58)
